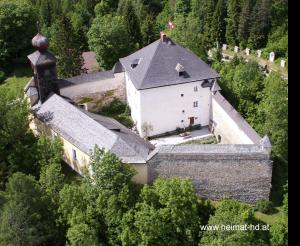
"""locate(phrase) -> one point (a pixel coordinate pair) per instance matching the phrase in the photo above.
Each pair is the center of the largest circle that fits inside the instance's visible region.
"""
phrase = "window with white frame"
(195, 104)
(195, 88)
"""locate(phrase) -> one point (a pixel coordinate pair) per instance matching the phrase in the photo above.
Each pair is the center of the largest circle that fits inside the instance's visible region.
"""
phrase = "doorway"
(192, 120)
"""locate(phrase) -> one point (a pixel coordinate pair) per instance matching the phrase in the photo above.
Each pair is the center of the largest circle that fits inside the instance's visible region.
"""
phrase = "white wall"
(229, 124)
(134, 101)
(162, 107)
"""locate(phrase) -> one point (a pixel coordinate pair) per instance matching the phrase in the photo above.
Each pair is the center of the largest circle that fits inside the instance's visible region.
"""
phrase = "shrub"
(119, 111)
(264, 206)
(179, 130)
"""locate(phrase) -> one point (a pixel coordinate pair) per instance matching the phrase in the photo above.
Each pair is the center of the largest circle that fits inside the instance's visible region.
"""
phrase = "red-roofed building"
(89, 62)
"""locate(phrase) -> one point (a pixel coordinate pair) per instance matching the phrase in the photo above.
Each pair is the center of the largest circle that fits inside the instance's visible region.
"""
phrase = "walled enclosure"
(242, 172)
(238, 167)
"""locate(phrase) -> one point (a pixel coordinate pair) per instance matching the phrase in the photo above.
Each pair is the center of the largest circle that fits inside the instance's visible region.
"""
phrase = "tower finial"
(38, 26)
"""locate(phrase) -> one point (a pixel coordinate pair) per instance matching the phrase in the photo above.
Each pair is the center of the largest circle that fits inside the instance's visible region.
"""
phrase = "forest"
(43, 203)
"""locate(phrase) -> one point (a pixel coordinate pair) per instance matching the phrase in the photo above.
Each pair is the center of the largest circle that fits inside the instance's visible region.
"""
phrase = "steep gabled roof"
(85, 130)
(154, 66)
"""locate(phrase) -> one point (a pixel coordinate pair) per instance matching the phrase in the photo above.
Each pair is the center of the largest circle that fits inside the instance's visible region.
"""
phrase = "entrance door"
(192, 121)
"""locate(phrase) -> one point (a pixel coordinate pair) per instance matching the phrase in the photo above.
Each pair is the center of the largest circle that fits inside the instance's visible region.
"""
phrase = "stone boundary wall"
(229, 124)
(242, 172)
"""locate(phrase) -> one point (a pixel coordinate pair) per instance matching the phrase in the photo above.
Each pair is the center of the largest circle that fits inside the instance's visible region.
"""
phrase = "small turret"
(43, 64)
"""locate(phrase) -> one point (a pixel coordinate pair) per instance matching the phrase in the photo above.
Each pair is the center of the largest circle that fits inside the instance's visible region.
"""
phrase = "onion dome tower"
(43, 64)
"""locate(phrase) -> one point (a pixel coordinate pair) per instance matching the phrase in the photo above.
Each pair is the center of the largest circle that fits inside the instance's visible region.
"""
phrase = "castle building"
(166, 87)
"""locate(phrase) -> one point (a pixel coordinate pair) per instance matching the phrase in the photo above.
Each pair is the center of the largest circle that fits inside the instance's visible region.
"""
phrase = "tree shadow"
(21, 70)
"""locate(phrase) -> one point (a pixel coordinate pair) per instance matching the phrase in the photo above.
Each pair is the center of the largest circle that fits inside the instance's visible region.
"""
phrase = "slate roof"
(157, 63)
(85, 130)
(230, 150)
(118, 68)
(86, 78)
(41, 58)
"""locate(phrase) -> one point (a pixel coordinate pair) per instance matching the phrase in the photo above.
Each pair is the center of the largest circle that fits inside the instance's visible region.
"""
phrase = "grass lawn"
(206, 140)
(17, 80)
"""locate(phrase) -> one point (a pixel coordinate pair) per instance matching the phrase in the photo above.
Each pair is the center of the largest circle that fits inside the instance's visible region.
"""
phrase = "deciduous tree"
(25, 217)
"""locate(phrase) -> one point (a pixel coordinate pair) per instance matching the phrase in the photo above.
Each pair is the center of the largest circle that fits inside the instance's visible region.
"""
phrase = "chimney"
(163, 37)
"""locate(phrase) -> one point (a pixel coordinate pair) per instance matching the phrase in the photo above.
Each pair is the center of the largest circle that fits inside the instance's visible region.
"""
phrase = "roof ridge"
(150, 61)
(82, 113)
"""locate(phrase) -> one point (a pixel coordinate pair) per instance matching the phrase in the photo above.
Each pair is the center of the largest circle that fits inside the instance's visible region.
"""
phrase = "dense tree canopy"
(17, 28)
(65, 44)
(167, 214)
(25, 217)
(17, 143)
(109, 38)
(230, 212)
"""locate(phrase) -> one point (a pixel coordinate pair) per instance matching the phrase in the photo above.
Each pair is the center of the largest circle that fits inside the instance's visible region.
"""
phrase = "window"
(195, 88)
(74, 154)
(135, 63)
(195, 104)
(183, 111)
(182, 121)
(182, 95)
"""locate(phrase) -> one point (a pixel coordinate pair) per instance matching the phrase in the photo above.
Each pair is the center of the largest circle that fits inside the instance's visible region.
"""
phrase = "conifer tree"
(182, 7)
(208, 10)
(232, 22)
(218, 23)
(127, 10)
(244, 23)
(260, 23)
(149, 30)
(66, 46)
(197, 12)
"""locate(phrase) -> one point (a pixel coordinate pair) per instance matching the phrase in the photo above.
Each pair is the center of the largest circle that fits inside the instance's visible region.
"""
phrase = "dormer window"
(206, 83)
(135, 63)
(180, 69)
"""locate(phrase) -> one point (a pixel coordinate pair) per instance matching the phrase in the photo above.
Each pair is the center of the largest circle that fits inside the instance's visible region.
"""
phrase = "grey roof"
(85, 130)
(118, 68)
(32, 91)
(238, 119)
(86, 78)
(41, 58)
(157, 63)
(253, 150)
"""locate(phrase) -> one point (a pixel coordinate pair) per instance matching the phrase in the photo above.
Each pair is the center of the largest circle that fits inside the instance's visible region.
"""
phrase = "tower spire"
(38, 26)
